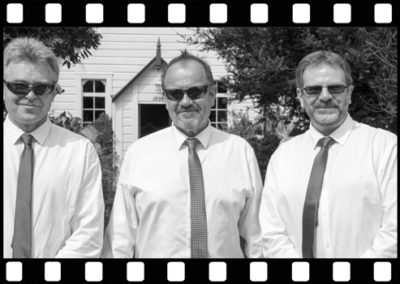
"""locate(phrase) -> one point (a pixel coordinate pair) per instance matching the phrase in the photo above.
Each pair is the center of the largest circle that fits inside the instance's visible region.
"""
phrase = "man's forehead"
(24, 67)
(323, 65)
(187, 68)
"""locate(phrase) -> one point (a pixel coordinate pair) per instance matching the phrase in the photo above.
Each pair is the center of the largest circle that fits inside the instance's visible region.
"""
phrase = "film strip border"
(160, 271)
(210, 13)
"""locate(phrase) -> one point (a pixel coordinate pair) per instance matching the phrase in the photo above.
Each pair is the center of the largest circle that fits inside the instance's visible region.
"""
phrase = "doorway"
(152, 117)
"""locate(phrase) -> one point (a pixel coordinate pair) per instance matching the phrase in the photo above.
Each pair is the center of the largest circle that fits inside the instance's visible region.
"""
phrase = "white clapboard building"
(123, 79)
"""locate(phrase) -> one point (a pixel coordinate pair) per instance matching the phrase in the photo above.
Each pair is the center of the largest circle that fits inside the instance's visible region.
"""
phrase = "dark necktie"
(21, 242)
(310, 210)
(198, 215)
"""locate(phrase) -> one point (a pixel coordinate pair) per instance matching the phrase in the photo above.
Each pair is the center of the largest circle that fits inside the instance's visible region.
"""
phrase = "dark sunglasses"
(332, 89)
(23, 88)
(193, 93)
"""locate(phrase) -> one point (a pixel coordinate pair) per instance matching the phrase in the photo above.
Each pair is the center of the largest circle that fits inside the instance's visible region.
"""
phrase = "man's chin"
(188, 115)
(327, 119)
(189, 127)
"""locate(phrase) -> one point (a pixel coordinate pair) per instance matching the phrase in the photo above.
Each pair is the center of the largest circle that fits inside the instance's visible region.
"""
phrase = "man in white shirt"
(156, 213)
(354, 214)
(52, 191)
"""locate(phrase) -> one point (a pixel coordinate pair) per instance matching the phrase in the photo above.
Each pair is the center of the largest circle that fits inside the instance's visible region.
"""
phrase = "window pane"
(213, 124)
(97, 113)
(87, 115)
(99, 102)
(223, 126)
(221, 88)
(88, 87)
(212, 116)
(222, 103)
(222, 115)
(87, 102)
(100, 87)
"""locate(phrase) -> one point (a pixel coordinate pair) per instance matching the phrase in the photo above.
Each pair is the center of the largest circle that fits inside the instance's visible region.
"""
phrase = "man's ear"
(350, 90)
(300, 96)
(212, 92)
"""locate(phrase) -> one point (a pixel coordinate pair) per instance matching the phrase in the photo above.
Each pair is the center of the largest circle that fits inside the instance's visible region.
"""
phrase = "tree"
(71, 44)
(262, 64)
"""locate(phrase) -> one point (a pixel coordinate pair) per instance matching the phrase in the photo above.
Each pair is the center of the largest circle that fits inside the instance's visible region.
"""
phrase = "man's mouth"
(187, 110)
(28, 105)
(326, 109)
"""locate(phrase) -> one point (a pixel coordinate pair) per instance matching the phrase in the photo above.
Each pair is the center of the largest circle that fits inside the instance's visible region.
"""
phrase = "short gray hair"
(319, 57)
(32, 50)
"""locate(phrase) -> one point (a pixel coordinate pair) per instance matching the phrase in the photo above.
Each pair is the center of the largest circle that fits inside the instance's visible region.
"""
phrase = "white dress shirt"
(67, 200)
(151, 212)
(357, 215)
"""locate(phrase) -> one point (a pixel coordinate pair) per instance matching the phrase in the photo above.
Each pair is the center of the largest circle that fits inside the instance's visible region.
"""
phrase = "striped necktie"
(310, 210)
(198, 217)
(22, 238)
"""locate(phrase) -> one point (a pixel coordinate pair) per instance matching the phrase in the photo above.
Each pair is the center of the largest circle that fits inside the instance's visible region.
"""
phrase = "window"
(219, 113)
(94, 100)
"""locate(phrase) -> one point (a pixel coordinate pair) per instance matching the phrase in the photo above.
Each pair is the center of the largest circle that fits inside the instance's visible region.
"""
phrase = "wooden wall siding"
(129, 101)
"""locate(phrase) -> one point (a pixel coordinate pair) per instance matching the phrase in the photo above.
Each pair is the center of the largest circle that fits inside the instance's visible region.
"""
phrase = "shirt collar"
(40, 134)
(340, 134)
(204, 136)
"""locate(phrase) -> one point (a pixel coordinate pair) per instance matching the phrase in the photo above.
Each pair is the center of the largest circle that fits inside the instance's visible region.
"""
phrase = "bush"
(263, 145)
(264, 148)
(108, 159)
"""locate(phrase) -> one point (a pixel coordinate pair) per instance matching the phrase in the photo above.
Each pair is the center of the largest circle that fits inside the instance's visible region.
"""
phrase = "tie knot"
(192, 143)
(326, 142)
(27, 139)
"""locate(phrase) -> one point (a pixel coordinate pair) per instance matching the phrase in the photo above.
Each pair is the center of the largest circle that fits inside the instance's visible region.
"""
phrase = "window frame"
(107, 78)
(216, 109)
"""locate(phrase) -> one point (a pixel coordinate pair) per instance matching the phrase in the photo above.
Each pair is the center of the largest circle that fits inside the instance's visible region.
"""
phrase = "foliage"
(262, 63)
(108, 159)
(101, 134)
(71, 44)
(263, 145)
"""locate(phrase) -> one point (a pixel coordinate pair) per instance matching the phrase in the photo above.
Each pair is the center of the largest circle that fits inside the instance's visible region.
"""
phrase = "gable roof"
(157, 62)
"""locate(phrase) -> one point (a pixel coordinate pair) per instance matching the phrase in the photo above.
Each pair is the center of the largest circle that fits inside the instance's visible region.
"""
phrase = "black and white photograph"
(214, 142)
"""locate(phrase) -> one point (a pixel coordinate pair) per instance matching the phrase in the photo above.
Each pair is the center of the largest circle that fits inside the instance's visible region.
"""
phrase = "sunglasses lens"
(174, 95)
(42, 89)
(336, 89)
(313, 90)
(19, 88)
(195, 92)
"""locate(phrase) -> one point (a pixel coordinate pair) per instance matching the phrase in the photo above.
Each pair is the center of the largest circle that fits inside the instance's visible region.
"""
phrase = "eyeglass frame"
(31, 87)
(327, 87)
(206, 88)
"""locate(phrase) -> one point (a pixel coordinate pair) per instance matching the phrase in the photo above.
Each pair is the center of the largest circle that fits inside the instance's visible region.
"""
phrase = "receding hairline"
(186, 57)
(184, 63)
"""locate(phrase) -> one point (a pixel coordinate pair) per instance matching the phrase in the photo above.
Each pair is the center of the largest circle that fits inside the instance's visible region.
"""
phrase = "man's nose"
(31, 95)
(186, 100)
(325, 95)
